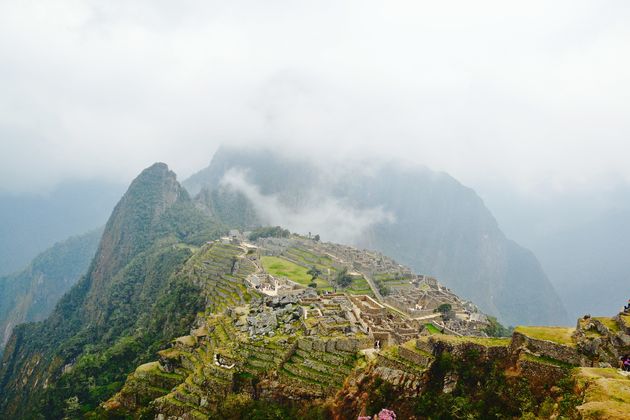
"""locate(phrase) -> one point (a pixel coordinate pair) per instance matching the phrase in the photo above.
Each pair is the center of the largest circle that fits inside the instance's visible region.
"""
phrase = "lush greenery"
(444, 308)
(269, 232)
(280, 267)
(483, 390)
(131, 303)
(242, 406)
(343, 279)
(496, 329)
(32, 294)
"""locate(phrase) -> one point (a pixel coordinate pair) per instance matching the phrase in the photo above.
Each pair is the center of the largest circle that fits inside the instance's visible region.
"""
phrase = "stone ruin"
(416, 296)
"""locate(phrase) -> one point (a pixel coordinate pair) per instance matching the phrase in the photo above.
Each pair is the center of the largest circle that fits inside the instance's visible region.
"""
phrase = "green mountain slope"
(130, 301)
(438, 226)
(32, 294)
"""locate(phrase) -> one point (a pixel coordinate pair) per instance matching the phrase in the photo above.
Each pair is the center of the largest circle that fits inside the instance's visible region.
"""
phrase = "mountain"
(31, 223)
(129, 303)
(424, 219)
(581, 240)
(176, 320)
(32, 294)
(589, 263)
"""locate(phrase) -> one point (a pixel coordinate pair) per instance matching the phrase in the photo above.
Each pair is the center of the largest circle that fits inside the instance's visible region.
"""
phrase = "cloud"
(322, 215)
(531, 95)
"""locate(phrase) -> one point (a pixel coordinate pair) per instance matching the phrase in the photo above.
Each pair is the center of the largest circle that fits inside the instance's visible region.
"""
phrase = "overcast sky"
(533, 96)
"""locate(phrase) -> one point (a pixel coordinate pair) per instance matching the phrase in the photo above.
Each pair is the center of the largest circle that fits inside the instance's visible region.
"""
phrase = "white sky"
(530, 95)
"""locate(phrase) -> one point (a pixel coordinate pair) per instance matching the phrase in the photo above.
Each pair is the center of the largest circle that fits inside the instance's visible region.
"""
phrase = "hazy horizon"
(529, 98)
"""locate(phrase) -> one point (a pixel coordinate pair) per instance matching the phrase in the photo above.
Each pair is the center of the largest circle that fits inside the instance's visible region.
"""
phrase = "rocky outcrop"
(603, 340)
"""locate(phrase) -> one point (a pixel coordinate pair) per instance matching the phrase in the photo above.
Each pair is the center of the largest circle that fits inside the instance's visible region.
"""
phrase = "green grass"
(359, 286)
(607, 394)
(560, 335)
(610, 323)
(484, 341)
(432, 328)
(279, 267)
(546, 360)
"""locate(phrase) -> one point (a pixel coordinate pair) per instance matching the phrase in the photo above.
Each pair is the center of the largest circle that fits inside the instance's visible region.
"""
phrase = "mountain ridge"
(439, 226)
(112, 309)
(32, 294)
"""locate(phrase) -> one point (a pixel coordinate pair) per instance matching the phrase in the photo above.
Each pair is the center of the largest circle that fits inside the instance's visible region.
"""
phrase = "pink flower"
(386, 414)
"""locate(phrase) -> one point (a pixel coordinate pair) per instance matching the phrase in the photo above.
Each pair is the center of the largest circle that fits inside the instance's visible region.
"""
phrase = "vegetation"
(242, 406)
(383, 288)
(560, 335)
(280, 267)
(432, 328)
(131, 303)
(483, 390)
(496, 329)
(343, 279)
(31, 295)
(314, 272)
(444, 308)
(269, 232)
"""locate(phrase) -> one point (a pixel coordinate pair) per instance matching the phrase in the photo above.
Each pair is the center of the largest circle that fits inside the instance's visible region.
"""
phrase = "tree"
(72, 409)
(383, 289)
(444, 308)
(343, 279)
(314, 272)
(316, 238)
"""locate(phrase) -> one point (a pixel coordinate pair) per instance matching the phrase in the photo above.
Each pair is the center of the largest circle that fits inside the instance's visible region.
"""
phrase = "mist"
(530, 98)
(322, 214)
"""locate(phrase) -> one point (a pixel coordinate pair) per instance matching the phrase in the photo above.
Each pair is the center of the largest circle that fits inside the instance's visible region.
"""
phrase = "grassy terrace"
(359, 286)
(484, 341)
(392, 279)
(545, 360)
(432, 328)
(610, 323)
(279, 267)
(310, 259)
(607, 393)
(392, 354)
(560, 335)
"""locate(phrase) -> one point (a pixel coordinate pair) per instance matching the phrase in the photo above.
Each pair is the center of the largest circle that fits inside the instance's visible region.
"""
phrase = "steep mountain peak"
(131, 227)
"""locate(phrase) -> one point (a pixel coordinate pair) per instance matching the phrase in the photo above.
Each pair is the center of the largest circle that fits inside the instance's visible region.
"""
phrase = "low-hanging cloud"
(530, 94)
(324, 215)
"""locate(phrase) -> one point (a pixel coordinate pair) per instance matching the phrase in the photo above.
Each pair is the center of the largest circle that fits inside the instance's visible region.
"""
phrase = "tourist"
(626, 363)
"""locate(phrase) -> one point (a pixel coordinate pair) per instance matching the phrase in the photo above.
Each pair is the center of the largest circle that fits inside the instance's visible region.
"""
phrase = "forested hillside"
(31, 294)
